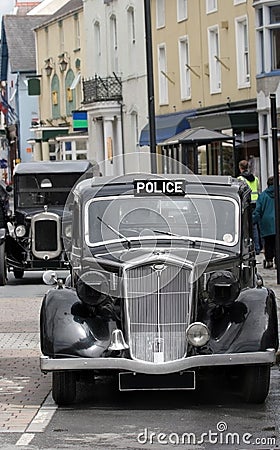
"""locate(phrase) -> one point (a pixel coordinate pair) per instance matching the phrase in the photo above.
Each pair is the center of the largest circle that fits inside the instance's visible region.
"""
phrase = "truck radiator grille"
(157, 308)
(46, 235)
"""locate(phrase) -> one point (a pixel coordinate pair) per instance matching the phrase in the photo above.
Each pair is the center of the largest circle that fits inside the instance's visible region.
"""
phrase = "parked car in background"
(4, 215)
(40, 192)
(163, 289)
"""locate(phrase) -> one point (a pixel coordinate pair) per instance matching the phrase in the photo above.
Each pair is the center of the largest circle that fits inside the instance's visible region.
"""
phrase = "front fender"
(66, 328)
(2, 235)
(258, 330)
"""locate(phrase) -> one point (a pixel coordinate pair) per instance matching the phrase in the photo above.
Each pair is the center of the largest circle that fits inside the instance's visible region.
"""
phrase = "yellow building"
(205, 73)
(59, 63)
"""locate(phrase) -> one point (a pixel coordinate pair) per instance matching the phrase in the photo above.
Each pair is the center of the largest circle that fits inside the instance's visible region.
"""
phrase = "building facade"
(115, 92)
(59, 48)
(267, 77)
(205, 61)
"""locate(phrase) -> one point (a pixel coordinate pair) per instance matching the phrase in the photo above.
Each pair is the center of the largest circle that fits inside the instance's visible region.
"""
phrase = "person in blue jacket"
(264, 215)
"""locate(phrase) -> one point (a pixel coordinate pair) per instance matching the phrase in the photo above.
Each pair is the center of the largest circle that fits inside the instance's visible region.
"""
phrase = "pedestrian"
(264, 215)
(253, 182)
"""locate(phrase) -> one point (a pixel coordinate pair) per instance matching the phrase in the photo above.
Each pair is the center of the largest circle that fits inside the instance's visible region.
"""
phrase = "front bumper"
(192, 362)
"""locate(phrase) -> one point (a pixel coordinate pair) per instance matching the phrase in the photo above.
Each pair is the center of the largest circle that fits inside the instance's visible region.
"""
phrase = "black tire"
(255, 383)
(18, 273)
(64, 387)
(3, 266)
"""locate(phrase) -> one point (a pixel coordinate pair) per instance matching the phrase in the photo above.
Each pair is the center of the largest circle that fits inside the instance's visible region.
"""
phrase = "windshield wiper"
(120, 235)
(168, 233)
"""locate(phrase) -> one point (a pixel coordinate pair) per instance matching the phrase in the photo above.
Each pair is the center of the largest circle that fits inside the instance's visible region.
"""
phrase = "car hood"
(175, 254)
(29, 212)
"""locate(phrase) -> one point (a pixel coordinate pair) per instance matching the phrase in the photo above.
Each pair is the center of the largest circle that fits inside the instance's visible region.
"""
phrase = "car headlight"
(197, 334)
(68, 231)
(223, 287)
(20, 231)
(92, 288)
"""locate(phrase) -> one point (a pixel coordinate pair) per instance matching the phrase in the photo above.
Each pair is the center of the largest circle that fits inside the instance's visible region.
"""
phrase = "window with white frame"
(134, 129)
(131, 25)
(268, 38)
(184, 67)
(162, 75)
(97, 45)
(242, 52)
(214, 60)
(182, 10)
(47, 40)
(61, 36)
(114, 43)
(211, 6)
(77, 32)
(160, 13)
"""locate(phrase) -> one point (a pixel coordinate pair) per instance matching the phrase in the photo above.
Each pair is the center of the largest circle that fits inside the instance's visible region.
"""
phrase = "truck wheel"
(64, 387)
(256, 380)
(18, 273)
(3, 267)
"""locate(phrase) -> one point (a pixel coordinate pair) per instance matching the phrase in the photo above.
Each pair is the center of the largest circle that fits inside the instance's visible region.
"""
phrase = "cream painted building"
(59, 54)
(115, 88)
(205, 68)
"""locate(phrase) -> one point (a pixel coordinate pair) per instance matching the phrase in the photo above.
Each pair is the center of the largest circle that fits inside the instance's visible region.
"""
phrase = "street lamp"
(63, 61)
(150, 80)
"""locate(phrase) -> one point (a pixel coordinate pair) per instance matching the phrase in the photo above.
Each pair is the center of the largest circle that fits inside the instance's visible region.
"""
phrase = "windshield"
(44, 189)
(200, 217)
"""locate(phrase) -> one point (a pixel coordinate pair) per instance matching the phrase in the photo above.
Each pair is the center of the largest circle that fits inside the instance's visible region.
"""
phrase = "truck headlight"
(198, 334)
(20, 231)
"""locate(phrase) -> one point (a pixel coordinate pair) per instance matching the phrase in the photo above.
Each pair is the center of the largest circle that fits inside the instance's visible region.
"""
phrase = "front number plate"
(130, 381)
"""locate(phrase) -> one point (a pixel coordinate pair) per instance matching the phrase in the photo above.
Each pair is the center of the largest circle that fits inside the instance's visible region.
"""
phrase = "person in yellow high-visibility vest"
(254, 184)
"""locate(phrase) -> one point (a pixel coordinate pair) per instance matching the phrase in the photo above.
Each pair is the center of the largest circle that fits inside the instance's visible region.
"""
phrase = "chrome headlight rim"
(20, 231)
(197, 334)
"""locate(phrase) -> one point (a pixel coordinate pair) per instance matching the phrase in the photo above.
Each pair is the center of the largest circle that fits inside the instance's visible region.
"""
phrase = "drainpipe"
(150, 76)
(122, 133)
(18, 149)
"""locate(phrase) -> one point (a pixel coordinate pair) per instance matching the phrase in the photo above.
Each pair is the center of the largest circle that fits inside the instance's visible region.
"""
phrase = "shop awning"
(167, 125)
(199, 135)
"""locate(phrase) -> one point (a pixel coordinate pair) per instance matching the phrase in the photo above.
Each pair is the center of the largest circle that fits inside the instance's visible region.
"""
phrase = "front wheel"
(255, 383)
(3, 267)
(64, 387)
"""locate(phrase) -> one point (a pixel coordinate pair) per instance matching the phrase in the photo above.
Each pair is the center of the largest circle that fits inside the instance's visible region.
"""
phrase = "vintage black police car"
(40, 192)
(163, 288)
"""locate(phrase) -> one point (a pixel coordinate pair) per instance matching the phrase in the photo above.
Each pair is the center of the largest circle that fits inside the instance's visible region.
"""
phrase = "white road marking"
(40, 421)
(25, 439)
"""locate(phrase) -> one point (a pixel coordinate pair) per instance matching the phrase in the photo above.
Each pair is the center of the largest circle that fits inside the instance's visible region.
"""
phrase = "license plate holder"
(131, 381)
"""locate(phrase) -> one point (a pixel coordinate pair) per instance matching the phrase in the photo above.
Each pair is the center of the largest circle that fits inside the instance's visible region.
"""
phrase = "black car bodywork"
(40, 193)
(163, 287)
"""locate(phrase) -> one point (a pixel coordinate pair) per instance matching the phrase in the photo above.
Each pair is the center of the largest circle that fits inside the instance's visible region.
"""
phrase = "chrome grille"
(157, 308)
(45, 235)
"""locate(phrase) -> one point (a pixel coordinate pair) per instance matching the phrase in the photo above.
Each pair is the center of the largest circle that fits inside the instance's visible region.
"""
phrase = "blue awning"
(167, 125)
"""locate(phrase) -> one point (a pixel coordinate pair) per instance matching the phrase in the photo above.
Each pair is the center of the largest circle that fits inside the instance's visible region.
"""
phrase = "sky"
(6, 6)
